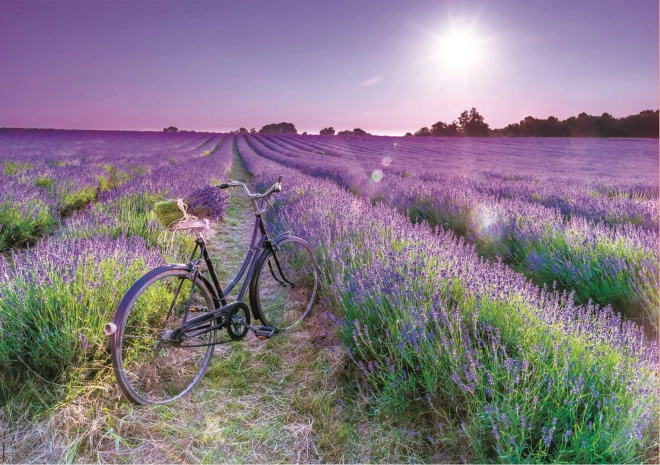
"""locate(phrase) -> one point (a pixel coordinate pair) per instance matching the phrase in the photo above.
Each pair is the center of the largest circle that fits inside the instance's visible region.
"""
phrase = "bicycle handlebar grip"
(223, 186)
(278, 185)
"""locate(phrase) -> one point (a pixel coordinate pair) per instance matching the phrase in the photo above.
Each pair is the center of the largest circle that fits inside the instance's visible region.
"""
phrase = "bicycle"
(163, 333)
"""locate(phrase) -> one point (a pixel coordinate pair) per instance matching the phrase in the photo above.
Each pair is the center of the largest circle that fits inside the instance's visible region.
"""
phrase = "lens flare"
(386, 161)
(487, 223)
(377, 175)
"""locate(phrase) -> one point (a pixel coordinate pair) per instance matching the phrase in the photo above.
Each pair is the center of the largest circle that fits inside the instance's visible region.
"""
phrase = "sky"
(387, 67)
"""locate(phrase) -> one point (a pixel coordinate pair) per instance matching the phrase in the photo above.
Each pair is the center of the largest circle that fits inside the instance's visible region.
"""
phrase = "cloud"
(372, 81)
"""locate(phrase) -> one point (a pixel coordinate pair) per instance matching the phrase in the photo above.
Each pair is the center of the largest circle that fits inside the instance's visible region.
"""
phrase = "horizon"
(387, 68)
(235, 131)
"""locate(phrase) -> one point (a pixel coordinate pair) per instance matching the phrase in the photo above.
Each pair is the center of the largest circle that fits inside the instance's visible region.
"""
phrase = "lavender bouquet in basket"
(205, 203)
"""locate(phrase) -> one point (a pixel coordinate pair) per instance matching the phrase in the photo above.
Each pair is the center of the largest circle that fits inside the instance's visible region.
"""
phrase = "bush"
(54, 302)
(79, 199)
(113, 180)
(24, 223)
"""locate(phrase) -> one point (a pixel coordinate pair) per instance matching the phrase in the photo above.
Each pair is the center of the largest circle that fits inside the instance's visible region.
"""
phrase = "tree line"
(643, 124)
(472, 124)
(330, 131)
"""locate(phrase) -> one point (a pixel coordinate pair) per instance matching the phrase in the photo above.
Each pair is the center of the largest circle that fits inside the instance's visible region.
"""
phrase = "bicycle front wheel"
(151, 365)
(285, 284)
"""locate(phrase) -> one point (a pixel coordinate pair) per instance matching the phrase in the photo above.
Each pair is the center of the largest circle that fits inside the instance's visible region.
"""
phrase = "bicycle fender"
(280, 237)
(131, 294)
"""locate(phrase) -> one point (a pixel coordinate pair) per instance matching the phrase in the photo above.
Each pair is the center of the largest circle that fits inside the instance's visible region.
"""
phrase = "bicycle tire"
(285, 284)
(148, 368)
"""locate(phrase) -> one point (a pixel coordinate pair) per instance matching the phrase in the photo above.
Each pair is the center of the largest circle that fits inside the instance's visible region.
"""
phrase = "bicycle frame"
(260, 241)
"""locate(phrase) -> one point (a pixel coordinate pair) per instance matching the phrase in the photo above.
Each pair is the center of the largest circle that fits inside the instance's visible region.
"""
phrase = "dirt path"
(270, 401)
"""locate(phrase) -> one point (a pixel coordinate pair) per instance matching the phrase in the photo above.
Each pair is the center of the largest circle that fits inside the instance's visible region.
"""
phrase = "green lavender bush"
(54, 300)
(519, 373)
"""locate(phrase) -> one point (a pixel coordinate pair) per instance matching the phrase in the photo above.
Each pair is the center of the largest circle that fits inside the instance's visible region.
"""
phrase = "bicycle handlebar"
(276, 187)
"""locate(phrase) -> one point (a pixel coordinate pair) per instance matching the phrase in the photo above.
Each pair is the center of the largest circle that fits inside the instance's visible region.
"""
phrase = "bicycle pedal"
(197, 308)
(264, 332)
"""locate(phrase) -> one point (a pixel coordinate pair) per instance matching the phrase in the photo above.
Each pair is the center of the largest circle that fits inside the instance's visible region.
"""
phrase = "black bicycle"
(164, 331)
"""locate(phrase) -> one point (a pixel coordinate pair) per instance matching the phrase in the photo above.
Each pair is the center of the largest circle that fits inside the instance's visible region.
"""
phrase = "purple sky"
(219, 65)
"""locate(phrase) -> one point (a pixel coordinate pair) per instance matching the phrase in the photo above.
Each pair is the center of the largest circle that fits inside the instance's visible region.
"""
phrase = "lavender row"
(128, 208)
(50, 174)
(529, 375)
(587, 196)
(612, 196)
(178, 177)
(604, 264)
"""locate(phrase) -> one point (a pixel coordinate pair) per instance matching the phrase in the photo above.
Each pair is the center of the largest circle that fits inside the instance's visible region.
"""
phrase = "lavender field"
(506, 288)
(76, 230)
(579, 213)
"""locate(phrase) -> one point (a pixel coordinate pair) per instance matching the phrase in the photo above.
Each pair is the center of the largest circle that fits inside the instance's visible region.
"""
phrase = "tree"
(441, 129)
(438, 129)
(242, 131)
(354, 132)
(279, 128)
(453, 130)
(584, 126)
(171, 129)
(605, 124)
(512, 130)
(528, 126)
(304, 133)
(472, 124)
(423, 132)
(408, 135)
(644, 124)
(253, 131)
(328, 131)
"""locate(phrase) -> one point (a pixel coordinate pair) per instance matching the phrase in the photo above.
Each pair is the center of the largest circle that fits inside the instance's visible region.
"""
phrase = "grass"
(77, 200)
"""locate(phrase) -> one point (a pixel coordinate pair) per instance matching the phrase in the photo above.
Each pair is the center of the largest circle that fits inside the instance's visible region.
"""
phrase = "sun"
(459, 50)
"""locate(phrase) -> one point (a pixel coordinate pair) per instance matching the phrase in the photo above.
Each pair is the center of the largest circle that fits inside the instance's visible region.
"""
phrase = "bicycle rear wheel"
(285, 284)
(150, 365)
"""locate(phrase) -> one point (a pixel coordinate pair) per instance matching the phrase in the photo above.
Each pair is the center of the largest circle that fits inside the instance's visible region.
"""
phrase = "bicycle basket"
(193, 210)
